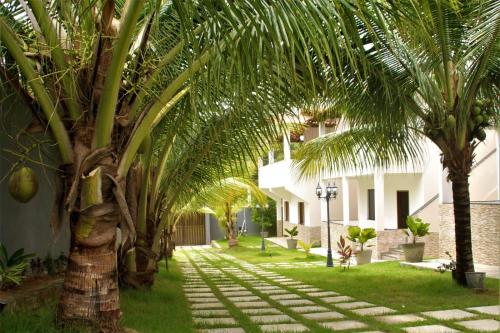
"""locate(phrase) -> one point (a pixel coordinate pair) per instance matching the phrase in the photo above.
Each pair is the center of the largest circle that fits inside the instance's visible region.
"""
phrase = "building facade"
(382, 198)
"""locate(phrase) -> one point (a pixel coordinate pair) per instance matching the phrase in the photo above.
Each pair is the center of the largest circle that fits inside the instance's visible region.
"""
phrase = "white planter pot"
(364, 257)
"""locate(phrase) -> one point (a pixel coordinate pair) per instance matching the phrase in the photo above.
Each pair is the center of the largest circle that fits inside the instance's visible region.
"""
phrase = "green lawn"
(404, 288)
(162, 309)
(249, 250)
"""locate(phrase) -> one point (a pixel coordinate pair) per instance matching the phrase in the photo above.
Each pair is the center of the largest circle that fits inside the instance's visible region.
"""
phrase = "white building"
(382, 198)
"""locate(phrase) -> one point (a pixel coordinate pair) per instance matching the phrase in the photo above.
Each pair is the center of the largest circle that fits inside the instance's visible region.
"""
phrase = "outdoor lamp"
(332, 190)
(319, 191)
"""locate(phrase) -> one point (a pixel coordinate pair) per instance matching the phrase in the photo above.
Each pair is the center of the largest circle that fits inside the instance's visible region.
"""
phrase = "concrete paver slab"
(481, 325)
(454, 314)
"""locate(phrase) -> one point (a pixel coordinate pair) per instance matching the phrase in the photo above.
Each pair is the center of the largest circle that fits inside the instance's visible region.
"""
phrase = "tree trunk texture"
(463, 236)
(145, 256)
(459, 164)
(90, 294)
(233, 240)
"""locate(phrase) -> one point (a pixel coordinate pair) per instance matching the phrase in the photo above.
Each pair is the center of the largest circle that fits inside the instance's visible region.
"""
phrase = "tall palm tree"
(434, 72)
(101, 74)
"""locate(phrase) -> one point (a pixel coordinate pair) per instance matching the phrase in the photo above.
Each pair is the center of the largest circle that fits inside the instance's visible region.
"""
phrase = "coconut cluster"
(481, 116)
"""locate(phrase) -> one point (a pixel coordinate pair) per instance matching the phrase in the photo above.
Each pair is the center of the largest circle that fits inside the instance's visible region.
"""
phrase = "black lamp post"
(331, 191)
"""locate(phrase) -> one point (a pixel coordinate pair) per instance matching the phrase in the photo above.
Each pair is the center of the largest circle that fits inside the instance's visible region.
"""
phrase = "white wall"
(400, 182)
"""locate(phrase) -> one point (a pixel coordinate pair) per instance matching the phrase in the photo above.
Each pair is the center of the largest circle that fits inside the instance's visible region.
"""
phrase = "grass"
(164, 308)
(249, 249)
(405, 289)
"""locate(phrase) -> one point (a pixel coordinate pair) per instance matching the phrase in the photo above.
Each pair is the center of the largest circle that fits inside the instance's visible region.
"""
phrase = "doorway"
(403, 206)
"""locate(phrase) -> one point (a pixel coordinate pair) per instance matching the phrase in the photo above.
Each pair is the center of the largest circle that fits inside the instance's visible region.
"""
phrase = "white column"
(286, 146)
(345, 200)
(271, 157)
(322, 129)
(378, 180)
(207, 228)
(498, 163)
(445, 190)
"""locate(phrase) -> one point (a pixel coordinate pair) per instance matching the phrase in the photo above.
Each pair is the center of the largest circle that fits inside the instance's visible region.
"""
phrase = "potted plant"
(361, 236)
(291, 243)
(414, 252)
(475, 280)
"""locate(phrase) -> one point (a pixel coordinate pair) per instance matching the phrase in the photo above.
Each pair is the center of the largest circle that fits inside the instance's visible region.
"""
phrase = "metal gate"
(190, 230)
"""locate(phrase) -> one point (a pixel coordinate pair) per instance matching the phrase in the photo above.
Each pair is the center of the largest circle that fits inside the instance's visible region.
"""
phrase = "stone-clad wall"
(279, 228)
(485, 220)
(385, 240)
(306, 234)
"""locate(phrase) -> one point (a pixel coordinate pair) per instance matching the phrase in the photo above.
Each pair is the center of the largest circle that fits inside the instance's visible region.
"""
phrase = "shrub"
(360, 236)
(307, 247)
(12, 267)
(416, 227)
(292, 232)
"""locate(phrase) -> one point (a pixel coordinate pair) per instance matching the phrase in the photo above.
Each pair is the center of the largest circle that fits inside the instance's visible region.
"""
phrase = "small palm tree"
(433, 73)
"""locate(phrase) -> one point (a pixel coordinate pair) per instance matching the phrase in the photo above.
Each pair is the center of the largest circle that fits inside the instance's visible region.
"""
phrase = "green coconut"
(478, 103)
(23, 184)
(476, 110)
(478, 119)
(471, 123)
(481, 135)
(451, 121)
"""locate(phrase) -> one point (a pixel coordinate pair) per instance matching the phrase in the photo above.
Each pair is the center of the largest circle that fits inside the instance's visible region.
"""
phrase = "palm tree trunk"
(90, 294)
(463, 238)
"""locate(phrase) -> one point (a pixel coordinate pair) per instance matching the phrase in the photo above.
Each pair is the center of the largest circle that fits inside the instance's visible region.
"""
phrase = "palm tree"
(226, 198)
(434, 72)
(101, 74)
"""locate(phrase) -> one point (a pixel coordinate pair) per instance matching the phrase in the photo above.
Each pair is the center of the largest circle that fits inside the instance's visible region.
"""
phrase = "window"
(371, 204)
(301, 213)
(287, 211)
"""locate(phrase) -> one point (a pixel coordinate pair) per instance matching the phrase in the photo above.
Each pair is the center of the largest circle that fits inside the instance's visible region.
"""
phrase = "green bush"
(12, 267)
(360, 236)
(416, 227)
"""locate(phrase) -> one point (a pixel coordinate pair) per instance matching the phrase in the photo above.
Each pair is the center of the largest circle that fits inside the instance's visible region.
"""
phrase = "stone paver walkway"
(228, 295)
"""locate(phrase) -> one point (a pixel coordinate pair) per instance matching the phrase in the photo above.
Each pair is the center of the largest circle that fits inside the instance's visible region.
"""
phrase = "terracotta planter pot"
(291, 244)
(475, 280)
(414, 252)
(364, 257)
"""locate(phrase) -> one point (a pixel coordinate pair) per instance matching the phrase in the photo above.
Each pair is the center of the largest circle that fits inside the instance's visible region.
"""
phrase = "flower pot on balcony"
(291, 244)
(364, 257)
(475, 280)
(414, 252)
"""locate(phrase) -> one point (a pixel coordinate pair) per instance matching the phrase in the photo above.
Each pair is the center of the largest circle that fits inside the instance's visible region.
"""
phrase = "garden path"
(229, 295)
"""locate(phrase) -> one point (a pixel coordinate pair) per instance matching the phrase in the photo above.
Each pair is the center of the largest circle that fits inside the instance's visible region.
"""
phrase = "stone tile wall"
(306, 234)
(388, 239)
(385, 240)
(485, 220)
(279, 228)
